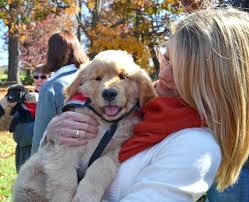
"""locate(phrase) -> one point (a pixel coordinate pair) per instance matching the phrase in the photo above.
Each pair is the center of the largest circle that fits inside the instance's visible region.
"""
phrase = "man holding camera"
(22, 114)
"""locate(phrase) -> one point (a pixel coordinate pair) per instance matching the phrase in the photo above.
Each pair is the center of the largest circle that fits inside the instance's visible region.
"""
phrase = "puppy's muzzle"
(109, 94)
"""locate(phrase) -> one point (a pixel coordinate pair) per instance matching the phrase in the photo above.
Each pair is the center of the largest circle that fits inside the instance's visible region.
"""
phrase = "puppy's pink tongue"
(111, 110)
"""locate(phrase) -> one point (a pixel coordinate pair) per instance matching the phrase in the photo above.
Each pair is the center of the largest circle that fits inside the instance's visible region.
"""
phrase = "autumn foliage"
(34, 45)
(132, 25)
(135, 26)
(19, 16)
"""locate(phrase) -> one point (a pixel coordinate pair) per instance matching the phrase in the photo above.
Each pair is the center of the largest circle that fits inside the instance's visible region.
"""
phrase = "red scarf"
(162, 116)
(31, 107)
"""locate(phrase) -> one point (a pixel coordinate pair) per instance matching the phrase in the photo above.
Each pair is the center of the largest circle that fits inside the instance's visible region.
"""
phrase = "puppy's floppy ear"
(72, 89)
(146, 88)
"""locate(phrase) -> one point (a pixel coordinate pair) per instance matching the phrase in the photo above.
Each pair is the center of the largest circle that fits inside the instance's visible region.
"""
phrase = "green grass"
(4, 76)
(7, 165)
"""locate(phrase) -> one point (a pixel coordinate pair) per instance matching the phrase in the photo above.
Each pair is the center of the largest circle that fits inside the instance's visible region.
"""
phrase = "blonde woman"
(202, 115)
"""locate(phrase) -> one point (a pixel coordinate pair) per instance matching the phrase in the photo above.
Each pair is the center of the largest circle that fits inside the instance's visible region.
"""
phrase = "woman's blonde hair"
(210, 60)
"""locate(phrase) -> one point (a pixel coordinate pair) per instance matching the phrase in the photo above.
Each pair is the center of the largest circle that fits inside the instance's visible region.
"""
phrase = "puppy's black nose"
(109, 94)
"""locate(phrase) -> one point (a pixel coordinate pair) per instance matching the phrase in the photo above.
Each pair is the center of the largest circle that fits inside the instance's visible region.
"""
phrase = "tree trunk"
(156, 65)
(79, 18)
(13, 61)
(96, 12)
(154, 58)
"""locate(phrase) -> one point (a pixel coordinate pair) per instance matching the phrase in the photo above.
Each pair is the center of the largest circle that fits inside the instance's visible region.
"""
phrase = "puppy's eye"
(98, 78)
(122, 76)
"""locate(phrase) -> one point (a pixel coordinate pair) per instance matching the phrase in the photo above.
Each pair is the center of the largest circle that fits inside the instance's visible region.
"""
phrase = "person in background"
(201, 114)
(23, 115)
(64, 57)
(39, 77)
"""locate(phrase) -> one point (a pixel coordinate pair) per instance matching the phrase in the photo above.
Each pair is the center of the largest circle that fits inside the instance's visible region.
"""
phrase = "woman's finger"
(65, 127)
(72, 133)
(79, 117)
(74, 125)
(72, 141)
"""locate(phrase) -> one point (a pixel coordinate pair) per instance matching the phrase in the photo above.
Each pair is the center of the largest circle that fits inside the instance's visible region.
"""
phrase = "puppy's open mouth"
(112, 110)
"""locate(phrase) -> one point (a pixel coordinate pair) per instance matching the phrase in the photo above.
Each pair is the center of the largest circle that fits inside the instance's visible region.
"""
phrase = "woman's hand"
(63, 129)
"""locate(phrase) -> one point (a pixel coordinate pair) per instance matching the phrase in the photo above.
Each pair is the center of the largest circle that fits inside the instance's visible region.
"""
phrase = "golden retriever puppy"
(114, 85)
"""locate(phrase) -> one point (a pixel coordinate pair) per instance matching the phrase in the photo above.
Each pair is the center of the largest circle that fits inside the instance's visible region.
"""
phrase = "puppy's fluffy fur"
(50, 174)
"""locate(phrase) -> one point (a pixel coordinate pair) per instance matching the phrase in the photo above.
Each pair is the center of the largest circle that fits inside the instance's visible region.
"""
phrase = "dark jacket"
(23, 135)
(22, 126)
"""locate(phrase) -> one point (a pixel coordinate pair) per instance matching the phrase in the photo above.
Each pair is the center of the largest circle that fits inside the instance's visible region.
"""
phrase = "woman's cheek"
(43, 81)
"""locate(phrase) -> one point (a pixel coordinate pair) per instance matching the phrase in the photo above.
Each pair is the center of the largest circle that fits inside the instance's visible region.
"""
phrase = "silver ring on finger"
(77, 133)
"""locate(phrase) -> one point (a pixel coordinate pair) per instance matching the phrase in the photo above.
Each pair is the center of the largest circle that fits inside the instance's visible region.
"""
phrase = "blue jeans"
(239, 192)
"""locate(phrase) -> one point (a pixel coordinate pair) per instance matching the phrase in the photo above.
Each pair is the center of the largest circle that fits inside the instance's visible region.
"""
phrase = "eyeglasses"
(160, 51)
(41, 77)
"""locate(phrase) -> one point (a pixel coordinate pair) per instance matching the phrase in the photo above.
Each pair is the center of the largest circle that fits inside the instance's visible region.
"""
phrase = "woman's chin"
(164, 90)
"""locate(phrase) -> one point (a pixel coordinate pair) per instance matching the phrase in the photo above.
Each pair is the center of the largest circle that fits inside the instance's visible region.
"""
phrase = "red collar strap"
(78, 100)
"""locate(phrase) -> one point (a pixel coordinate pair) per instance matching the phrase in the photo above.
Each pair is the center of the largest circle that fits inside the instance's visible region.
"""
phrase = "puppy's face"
(114, 86)
(16, 93)
(111, 91)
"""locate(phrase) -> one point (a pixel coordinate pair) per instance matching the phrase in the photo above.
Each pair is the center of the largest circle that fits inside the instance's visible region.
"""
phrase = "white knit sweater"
(180, 168)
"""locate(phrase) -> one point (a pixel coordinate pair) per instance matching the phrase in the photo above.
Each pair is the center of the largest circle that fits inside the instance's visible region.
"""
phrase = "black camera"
(17, 93)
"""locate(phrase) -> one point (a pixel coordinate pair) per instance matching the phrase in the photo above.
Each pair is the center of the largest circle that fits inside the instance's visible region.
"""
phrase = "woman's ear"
(146, 88)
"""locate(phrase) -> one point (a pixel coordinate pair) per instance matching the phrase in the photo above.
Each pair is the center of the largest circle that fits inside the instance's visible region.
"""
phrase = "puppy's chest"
(123, 131)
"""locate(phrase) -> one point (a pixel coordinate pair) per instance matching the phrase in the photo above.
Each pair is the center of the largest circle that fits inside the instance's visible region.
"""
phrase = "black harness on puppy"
(108, 134)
